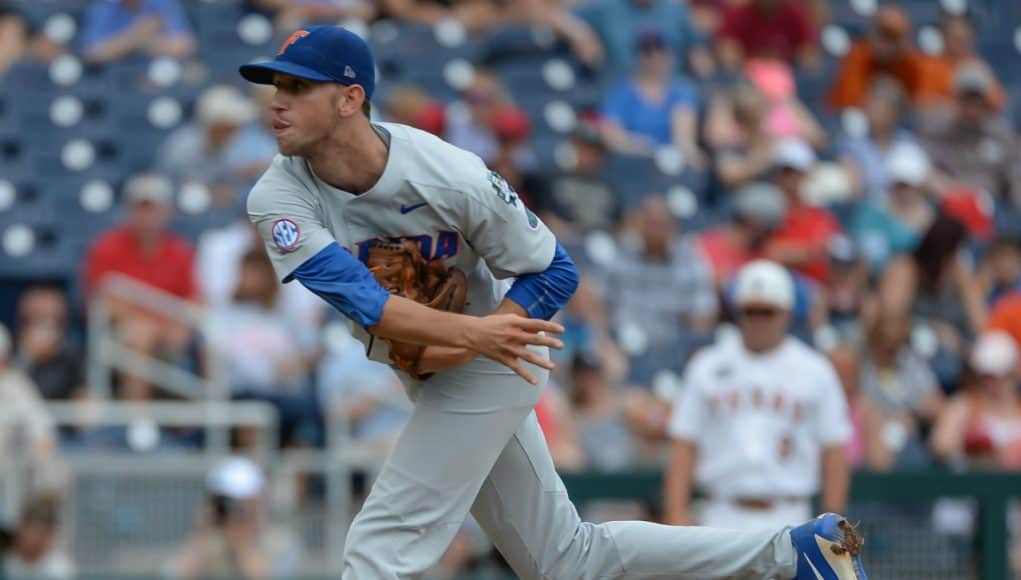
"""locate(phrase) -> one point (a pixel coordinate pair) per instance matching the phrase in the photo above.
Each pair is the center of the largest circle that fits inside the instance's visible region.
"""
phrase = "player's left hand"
(505, 338)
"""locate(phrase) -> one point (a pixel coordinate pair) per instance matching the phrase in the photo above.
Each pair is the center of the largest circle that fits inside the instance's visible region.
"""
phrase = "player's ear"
(350, 100)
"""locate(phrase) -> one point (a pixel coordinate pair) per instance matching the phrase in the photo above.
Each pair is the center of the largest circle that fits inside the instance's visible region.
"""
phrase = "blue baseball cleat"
(827, 549)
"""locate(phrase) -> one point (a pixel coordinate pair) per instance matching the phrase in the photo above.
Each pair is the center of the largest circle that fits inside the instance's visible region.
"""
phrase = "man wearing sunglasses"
(761, 421)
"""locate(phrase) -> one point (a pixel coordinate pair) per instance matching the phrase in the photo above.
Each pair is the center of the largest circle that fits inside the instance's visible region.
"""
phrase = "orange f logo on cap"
(298, 34)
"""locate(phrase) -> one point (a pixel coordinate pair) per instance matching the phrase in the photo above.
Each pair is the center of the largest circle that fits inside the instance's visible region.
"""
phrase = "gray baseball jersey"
(473, 442)
(441, 196)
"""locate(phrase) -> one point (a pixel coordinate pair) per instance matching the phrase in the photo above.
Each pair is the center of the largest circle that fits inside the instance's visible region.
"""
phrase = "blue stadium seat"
(513, 42)
(12, 149)
(634, 177)
(432, 82)
(415, 52)
(1014, 108)
(49, 256)
(545, 146)
(191, 226)
(29, 77)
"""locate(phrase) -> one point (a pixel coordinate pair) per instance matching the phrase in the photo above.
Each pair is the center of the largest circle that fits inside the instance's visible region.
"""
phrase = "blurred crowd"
(885, 197)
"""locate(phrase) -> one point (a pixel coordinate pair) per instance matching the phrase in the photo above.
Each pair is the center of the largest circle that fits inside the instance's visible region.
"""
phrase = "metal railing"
(213, 416)
(159, 493)
(107, 354)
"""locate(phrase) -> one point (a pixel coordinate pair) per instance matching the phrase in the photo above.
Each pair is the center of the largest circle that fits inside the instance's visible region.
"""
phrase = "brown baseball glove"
(400, 268)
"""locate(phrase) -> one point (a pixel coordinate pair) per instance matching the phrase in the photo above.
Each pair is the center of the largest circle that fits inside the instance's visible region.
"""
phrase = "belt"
(765, 504)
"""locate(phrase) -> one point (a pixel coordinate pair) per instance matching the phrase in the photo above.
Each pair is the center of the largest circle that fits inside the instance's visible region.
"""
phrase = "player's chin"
(287, 148)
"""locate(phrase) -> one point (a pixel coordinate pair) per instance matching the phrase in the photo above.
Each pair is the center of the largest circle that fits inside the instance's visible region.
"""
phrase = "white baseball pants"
(720, 513)
(473, 444)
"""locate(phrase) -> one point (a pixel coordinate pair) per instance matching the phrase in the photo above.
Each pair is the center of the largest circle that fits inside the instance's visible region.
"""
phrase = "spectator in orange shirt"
(802, 239)
(887, 51)
(958, 48)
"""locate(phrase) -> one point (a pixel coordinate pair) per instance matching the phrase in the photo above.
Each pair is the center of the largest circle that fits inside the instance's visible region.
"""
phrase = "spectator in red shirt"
(144, 249)
(773, 29)
(801, 241)
(758, 209)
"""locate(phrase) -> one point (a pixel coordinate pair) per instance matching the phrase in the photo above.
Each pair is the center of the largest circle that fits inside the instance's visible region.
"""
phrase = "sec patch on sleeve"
(286, 234)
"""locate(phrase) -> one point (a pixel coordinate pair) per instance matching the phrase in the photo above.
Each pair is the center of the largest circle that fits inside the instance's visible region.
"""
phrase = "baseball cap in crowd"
(826, 184)
(907, 163)
(973, 208)
(793, 153)
(511, 124)
(995, 353)
(760, 203)
(149, 187)
(224, 105)
(320, 53)
(238, 478)
(650, 40)
(763, 282)
(973, 78)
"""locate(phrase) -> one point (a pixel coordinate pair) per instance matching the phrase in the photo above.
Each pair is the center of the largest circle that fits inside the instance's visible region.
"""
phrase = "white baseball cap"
(224, 104)
(761, 203)
(907, 163)
(995, 353)
(149, 187)
(236, 477)
(764, 282)
(794, 153)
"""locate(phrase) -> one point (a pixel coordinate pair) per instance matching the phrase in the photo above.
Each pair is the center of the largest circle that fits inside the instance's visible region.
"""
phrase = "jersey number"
(445, 245)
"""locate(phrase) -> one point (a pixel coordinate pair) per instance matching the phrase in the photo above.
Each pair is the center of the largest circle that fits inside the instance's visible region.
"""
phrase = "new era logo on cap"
(349, 72)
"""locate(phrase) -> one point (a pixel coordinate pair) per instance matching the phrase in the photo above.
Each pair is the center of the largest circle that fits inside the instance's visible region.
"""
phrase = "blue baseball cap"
(320, 53)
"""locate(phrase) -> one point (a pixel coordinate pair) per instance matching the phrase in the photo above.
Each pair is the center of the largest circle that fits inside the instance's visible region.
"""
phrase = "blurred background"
(168, 410)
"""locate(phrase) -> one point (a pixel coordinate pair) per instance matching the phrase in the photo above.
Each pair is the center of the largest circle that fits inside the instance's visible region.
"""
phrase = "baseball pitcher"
(399, 231)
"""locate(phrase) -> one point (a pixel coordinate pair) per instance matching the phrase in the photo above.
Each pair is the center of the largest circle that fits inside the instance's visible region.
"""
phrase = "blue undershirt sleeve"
(543, 294)
(344, 283)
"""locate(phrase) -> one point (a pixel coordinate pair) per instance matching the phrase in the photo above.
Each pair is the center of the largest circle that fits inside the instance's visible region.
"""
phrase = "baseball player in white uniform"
(760, 418)
(472, 443)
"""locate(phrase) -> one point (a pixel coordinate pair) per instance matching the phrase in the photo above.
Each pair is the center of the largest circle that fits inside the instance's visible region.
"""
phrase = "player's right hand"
(505, 338)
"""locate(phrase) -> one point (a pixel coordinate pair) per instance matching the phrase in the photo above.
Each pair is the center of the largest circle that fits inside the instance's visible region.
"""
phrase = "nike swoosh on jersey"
(814, 569)
(412, 207)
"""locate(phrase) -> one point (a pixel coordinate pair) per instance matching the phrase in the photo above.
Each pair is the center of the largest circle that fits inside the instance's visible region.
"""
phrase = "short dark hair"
(367, 109)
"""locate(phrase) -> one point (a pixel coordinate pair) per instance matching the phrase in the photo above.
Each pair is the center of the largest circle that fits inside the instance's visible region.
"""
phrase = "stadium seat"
(635, 177)
(31, 246)
(29, 77)
(513, 42)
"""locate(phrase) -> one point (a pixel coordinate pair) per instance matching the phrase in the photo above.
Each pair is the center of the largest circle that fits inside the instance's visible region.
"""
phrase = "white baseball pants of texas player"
(473, 444)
